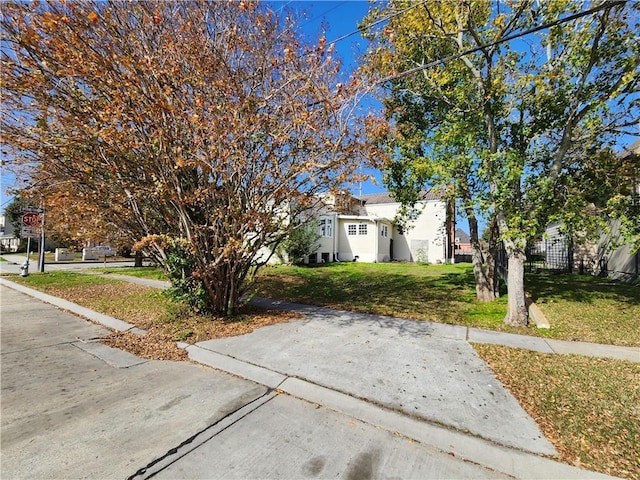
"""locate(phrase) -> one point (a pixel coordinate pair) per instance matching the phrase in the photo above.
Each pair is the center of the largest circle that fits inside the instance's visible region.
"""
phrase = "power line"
(502, 40)
(384, 19)
(322, 14)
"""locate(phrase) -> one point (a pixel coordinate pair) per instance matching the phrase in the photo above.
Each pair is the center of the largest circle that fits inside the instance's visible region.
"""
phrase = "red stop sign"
(31, 219)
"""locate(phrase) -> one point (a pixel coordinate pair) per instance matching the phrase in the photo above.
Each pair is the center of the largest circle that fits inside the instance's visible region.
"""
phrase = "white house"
(364, 229)
(8, 240)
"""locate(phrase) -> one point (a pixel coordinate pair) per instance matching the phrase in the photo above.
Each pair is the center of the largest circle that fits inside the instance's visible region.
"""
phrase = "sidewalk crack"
(191, 441)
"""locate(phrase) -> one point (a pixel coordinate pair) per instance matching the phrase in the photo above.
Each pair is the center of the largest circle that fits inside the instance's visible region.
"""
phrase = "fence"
(557, 255)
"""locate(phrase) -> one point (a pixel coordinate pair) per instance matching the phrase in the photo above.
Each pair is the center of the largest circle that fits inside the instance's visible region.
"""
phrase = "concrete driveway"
(74, 408)
(335, 394)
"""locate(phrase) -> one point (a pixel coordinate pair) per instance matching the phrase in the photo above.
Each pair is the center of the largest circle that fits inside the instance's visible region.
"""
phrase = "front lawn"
(152, 273)
(587, 407)
(578, 307)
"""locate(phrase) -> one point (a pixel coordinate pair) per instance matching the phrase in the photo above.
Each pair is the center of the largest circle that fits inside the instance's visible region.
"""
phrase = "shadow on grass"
(580, 288)
(437, 293)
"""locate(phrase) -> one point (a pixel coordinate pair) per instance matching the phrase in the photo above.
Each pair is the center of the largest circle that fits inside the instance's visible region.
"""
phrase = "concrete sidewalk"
(419, 381)
(476, 335)
(13, 262)
(71, 409)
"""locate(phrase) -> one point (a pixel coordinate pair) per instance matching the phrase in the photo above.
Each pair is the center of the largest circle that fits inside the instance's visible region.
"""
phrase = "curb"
(517, 463)
(106, 320)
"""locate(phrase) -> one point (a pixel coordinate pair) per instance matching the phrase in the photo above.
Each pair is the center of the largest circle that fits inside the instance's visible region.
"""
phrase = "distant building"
(8, 240)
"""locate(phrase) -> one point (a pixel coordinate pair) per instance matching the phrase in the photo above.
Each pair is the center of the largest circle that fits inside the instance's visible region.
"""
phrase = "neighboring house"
(8, 240)
(463, 250)
(364, 229)
(606, 256)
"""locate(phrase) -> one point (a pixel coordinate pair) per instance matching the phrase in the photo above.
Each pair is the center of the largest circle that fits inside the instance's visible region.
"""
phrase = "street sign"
(30, 232)
(32, 210)
(31, 219)
(31, 224)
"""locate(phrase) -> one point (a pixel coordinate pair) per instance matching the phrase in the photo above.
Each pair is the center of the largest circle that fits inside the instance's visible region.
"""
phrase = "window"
(352, 229)
(326, 227)
(362, 229)
(384, 231)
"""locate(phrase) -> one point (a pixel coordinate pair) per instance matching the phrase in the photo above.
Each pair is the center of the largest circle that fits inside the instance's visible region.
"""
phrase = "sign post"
(31, 225)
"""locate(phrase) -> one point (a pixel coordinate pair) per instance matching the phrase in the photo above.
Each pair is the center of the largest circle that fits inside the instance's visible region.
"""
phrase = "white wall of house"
(426, 240)
(371, 236)
(385, 237)
(357, 237)
(327, 242)
(8, 240)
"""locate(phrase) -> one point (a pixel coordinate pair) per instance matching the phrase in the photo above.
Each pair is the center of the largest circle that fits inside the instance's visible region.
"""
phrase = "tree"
(506, 123)
(301, 242)
(14, 212)
(212, 122)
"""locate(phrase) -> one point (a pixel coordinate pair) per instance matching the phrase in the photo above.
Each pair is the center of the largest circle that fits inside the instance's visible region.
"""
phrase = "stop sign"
(31, 219)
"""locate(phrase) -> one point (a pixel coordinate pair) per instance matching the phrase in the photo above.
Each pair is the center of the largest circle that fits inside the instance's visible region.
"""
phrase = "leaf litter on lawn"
(587, 407)
(165, 321)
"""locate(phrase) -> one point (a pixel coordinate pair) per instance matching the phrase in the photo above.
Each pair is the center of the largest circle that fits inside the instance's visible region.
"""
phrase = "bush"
(184, 286)
(301, 242)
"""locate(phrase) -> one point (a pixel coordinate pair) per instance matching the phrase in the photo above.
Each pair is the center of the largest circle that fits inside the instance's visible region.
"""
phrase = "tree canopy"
(214, 122)
(507, 124)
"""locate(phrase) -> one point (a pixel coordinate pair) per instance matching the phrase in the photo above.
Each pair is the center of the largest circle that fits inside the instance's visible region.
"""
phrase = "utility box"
(64, 255)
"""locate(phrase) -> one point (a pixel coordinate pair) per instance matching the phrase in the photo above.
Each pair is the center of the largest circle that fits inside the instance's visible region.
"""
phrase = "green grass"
(425, 292)
(61, 280)
(588, 407)
(588, 308)
(579, 308)
(152, 273)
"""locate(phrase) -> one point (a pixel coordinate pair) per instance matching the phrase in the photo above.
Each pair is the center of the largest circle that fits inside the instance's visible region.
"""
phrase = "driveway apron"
(428, 373)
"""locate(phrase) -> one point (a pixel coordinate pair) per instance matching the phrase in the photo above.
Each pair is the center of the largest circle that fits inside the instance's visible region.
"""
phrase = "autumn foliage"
(214, 122)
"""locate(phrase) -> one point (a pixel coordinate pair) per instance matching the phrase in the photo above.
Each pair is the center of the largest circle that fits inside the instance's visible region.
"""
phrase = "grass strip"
(151, 273)
(165, 320)
(589, 408)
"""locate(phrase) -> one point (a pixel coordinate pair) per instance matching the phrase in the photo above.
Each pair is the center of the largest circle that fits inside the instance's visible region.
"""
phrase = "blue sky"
(335, 18)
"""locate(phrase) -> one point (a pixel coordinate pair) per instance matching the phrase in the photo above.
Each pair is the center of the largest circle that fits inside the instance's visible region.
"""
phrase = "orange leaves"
(169, 130)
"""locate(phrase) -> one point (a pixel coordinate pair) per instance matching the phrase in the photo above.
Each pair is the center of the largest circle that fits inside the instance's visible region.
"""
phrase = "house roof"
(633, 149)
(377, 198)
(462, 235)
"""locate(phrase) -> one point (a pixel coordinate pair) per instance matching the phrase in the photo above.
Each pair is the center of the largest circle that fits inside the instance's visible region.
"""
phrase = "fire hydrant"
(25, 269)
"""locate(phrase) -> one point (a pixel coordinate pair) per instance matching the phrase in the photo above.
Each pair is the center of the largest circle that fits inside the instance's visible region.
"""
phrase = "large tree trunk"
(483, 273)
(517, 314)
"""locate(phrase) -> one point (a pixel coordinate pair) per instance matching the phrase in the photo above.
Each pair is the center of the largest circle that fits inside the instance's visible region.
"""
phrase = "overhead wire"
(605, 5)
(377, 22)
(503, 40)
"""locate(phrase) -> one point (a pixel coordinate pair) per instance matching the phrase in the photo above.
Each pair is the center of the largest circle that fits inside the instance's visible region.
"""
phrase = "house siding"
(424, 242)
(426, 239)
(360, 246)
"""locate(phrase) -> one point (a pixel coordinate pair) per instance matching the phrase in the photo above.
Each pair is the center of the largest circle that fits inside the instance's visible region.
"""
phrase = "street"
(74, 408)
